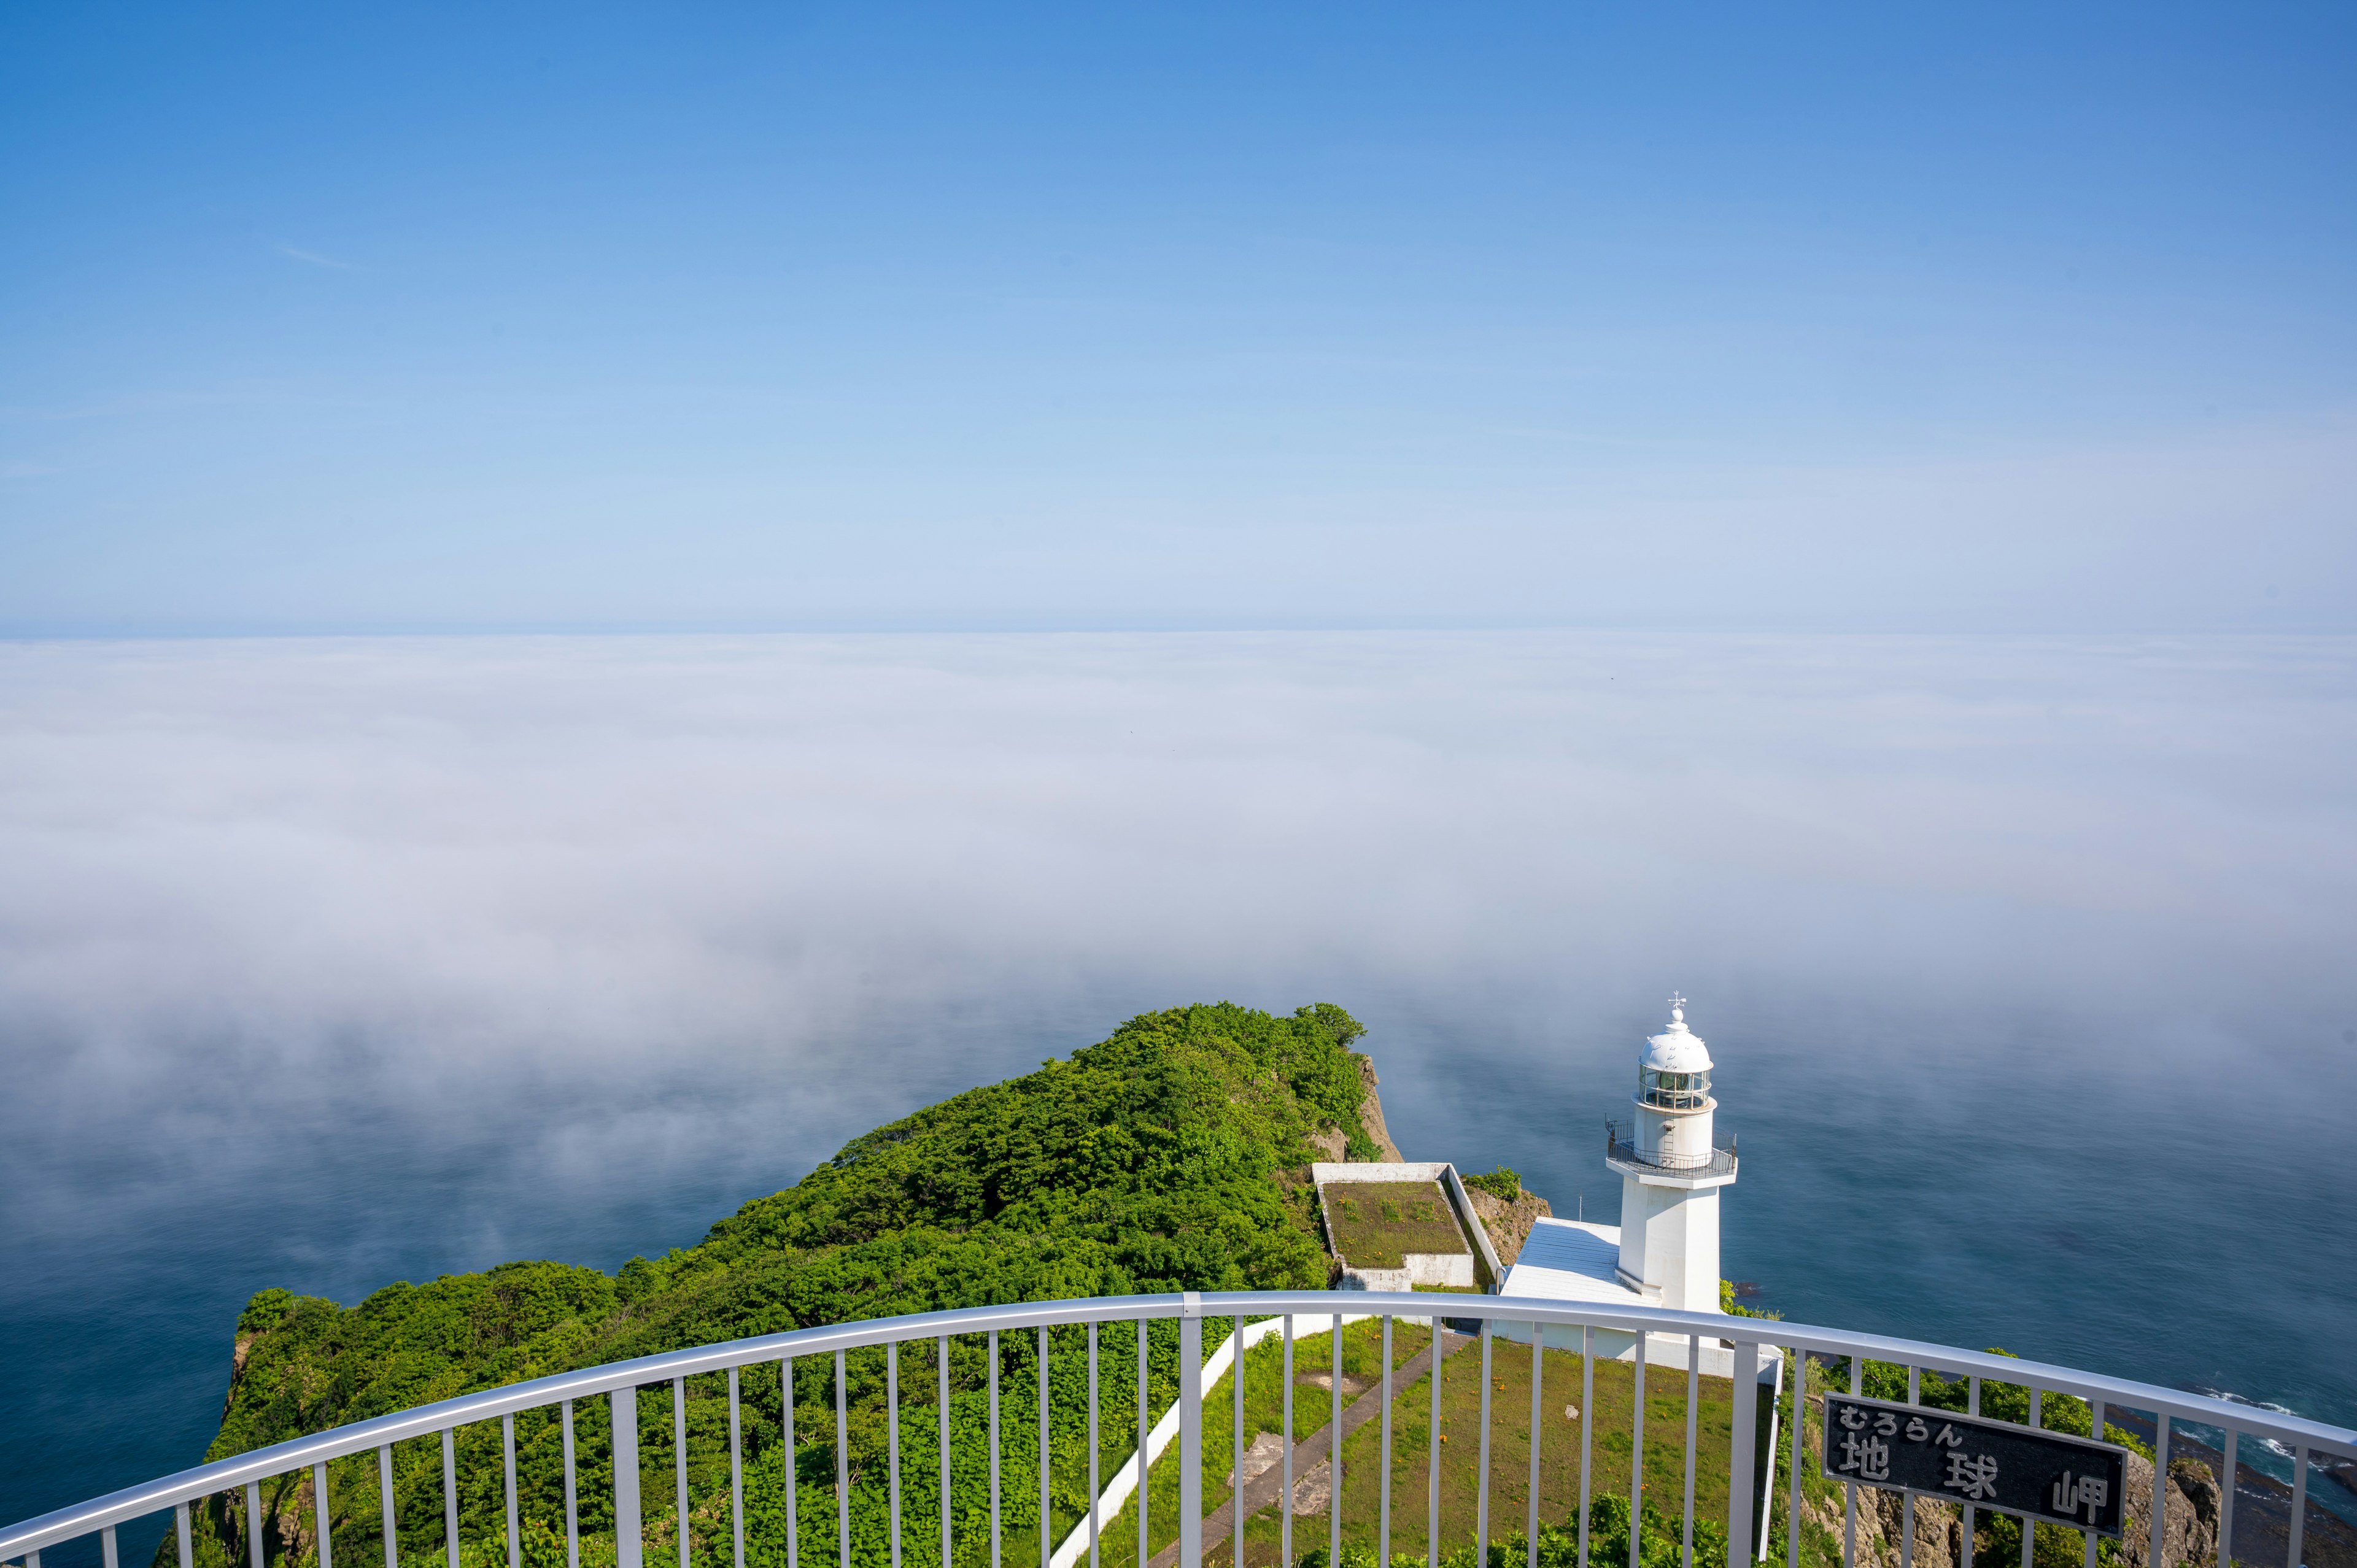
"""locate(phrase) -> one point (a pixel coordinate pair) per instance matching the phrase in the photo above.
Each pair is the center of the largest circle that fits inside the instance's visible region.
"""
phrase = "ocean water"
(328, 963)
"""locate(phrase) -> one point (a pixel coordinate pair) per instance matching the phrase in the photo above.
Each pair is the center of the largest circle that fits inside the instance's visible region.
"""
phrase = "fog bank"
(287, 875)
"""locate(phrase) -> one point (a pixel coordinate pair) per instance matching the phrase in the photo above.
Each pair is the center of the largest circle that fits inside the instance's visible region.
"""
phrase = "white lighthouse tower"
(1671, 1173)
(1665, 1249)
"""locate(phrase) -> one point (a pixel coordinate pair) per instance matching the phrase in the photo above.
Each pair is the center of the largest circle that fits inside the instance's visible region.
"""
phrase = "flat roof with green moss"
(1377, 1223)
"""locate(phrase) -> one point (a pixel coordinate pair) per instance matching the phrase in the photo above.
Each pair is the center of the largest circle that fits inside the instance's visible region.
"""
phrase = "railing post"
(384, 1505)
(842, 1470)
(2226, 1506)
(941, 1372)
(1046, 1516)
(736, 1471)
(629, 1550)
(679, 1467)
(319, 1515)
(572, 1496)
(1587, 1424)
(2095, 1429)
(1849, 1489)
(449, 1497)
(1741, 1463)
(2296, 1556)
(1907, 1503)
(1694, 1439)
(1481, 1463)
(508, 1474)
(1190, 1433)
(1333, 1453)
(1637, 1453)
(1799, 1406)
(789, 1453)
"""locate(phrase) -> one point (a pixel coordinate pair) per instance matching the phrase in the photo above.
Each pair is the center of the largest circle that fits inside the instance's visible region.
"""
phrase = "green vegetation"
(1605, 1423)
(1500, 1183)
(1659, 1544)
(1612, 1409)
(1168, 1157)
(1999, 1402)
(1377, 1223)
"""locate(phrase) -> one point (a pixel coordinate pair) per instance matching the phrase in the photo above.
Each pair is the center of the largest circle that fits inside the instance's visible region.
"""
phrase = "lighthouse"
(1671, 1172)
(1664, 1251)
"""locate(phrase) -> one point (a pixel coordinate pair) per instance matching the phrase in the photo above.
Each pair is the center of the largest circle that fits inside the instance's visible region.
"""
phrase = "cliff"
(1371, 1114)
(1508, 1220)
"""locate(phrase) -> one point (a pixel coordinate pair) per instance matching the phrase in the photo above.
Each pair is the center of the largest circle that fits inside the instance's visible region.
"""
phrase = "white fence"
(1749, 1341)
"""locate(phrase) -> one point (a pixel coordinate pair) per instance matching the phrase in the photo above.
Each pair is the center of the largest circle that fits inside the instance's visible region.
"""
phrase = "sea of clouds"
(273, 884)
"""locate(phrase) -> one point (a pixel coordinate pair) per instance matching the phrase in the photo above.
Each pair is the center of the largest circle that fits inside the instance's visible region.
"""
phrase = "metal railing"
(1715, 1162)
(1746, 1345)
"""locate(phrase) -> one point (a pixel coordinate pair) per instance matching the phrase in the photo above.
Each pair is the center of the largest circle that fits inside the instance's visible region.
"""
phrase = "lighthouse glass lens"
(1676, 1091)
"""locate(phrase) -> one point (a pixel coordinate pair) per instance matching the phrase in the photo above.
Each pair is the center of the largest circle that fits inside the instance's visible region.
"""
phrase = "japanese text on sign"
(1983, 1464)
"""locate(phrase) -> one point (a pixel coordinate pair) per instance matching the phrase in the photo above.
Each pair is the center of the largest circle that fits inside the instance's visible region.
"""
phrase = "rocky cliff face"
(1370, 1113)
(1509, 1224)
(1331, 1143)
(2189, 1527)
(1881, 1527)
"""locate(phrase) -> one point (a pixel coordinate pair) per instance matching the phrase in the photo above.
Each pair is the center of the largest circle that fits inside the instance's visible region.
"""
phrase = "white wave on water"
(2269, 1444)
(2332, 1489)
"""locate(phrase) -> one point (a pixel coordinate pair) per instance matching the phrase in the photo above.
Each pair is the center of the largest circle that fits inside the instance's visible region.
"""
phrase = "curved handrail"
(336, 1442)
(225, 1474)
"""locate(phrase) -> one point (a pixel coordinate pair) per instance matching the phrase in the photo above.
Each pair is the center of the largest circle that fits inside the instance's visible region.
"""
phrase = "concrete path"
(1261, 1490)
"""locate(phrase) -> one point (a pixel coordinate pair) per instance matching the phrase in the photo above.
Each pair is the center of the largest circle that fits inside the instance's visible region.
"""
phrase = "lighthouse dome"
(1676, 1048)
(1674, 1070)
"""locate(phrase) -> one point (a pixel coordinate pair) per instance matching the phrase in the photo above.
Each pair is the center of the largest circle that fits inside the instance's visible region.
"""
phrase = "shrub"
(1502, 1184)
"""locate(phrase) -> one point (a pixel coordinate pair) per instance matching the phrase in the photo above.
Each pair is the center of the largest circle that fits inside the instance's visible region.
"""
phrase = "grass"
(1508, 1381)
(1376, 1224)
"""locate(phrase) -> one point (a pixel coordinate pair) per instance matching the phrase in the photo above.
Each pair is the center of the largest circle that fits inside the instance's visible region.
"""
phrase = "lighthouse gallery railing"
(821, 1352)
(1622, 1151)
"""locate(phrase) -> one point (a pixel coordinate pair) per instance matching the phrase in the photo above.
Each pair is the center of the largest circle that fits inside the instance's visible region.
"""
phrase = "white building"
(1664, 1251)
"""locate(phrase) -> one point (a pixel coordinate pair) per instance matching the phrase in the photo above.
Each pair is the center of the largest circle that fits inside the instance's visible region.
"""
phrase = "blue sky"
(483, 319)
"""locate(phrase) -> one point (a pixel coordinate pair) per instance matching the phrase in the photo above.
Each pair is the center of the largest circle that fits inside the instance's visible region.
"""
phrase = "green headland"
(1172, 1155)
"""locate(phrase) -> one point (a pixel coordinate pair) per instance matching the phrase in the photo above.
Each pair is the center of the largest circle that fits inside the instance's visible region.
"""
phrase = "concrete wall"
(1422, 1269)
(1451, 1185)
(1378, 1170)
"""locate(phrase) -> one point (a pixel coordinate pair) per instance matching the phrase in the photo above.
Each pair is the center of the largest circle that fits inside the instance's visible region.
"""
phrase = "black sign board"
(1985, 1464)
